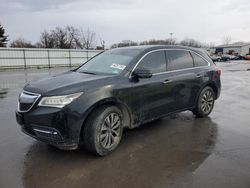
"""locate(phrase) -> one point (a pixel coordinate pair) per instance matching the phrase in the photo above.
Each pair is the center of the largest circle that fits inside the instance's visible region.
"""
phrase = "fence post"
(87, 55)
(24, 59)
(48, 58)
(69, 59)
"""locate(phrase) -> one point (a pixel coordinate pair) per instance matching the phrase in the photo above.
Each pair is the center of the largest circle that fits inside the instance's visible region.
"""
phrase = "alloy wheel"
(207, 101)
(110, 131)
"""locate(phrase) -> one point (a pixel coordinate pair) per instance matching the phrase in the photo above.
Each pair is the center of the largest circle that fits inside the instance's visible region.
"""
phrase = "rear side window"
(178, 59)
(198, 61)
(155, 61)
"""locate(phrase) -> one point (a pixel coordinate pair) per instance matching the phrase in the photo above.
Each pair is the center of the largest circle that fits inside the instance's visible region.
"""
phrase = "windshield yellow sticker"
(118, 66)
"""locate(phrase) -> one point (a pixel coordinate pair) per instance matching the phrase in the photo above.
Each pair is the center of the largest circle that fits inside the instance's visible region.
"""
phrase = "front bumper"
(58, 127)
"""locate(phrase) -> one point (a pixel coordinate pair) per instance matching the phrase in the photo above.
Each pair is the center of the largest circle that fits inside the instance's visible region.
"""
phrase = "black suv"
(117, 89)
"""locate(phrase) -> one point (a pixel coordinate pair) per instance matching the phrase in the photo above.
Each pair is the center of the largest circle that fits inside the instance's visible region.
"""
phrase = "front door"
(152, 97)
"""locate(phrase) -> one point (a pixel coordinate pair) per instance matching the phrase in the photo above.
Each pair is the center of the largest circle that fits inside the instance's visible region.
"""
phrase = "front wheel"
(205, 102)
(103, 130)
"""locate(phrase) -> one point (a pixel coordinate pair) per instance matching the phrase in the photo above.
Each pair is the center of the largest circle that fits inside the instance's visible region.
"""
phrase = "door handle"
(167, 81)
(198, 75)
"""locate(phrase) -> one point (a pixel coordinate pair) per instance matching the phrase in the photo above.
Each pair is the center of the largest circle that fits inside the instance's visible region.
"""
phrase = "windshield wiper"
(86, 72)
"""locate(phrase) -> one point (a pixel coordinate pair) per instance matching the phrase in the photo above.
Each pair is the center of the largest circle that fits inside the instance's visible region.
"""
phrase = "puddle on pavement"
(153, 155)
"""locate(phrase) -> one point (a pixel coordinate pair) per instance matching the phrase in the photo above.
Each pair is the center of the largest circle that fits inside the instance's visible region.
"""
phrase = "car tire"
(205, 102)
(103, 130)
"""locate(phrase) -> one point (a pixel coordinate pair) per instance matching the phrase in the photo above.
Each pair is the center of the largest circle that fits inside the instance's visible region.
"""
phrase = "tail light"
(218, 72)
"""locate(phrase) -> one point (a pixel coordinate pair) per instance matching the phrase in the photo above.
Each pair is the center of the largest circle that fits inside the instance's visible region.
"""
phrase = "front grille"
(27, 100)
(25, 106)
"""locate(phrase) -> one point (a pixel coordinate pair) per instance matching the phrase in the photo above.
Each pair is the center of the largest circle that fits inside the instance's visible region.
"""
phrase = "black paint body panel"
(142, 100)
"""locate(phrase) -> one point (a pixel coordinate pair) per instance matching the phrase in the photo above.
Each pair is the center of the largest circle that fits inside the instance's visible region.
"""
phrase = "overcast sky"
(137, 20)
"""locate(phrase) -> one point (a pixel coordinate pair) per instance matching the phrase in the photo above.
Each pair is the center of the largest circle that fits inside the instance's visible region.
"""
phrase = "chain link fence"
(39, 58)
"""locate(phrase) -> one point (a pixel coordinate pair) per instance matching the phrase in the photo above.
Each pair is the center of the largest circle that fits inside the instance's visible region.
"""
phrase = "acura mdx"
(119, 88)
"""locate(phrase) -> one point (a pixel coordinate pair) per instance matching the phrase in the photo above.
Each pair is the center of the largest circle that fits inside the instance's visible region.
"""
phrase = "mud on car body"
(117, 89)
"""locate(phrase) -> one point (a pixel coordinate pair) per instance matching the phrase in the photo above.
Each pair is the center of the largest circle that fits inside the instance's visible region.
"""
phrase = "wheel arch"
(113, 102)
(209, 84)
(214, 87)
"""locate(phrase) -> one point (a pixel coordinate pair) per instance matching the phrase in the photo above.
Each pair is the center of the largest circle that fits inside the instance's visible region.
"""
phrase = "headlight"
(58, 101)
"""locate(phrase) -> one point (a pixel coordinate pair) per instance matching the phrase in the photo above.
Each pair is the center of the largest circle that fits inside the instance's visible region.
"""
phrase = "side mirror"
(142, 73)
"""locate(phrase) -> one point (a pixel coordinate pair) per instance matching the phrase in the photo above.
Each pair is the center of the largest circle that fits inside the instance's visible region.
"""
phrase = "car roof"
(143, 49)
(155, 47)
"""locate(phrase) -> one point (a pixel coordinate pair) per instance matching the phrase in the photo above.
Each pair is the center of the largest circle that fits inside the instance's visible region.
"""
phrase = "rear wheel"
(103, 130)
(205, 102)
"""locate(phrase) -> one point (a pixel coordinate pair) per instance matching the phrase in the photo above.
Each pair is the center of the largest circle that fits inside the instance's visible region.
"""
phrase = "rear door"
(183, 76)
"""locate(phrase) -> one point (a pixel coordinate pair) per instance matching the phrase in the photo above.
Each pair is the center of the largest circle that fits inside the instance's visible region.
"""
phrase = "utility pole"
(171, 38)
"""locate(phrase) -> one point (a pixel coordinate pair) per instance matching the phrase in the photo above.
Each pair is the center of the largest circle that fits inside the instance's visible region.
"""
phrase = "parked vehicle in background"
(227, 57)
(117, 89)
(216, 58)
(247, 57)
(240, 57)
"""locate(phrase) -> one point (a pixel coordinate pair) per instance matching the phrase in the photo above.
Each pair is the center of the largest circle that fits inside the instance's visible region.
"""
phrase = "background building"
(236, 48)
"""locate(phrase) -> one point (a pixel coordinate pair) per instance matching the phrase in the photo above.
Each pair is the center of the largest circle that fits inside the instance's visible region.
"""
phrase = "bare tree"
(124, 43)
(21, 43)
(56, 38)
(191, 43)
(72, 36)
(46, 40)
(159, 42)
(86, 39)
(227, 40)
(102, 43)
(59, 37)
(146, 42)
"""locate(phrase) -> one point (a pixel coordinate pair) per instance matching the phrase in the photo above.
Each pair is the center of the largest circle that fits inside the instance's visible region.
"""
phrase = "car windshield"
(109, 62)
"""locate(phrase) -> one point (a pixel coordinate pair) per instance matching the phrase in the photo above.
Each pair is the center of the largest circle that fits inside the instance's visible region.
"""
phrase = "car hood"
(65, 83)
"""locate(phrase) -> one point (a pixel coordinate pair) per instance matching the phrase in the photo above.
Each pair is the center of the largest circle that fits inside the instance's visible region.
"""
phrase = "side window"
(198, 61)
(155, 61)
(178, 59)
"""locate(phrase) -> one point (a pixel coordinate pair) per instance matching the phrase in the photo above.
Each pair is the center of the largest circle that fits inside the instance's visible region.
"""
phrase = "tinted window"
(198, 61)
(178, 59)
(154, 61)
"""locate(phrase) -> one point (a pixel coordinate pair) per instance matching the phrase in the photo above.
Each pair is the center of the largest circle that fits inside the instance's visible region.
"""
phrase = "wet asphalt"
(177, 151)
